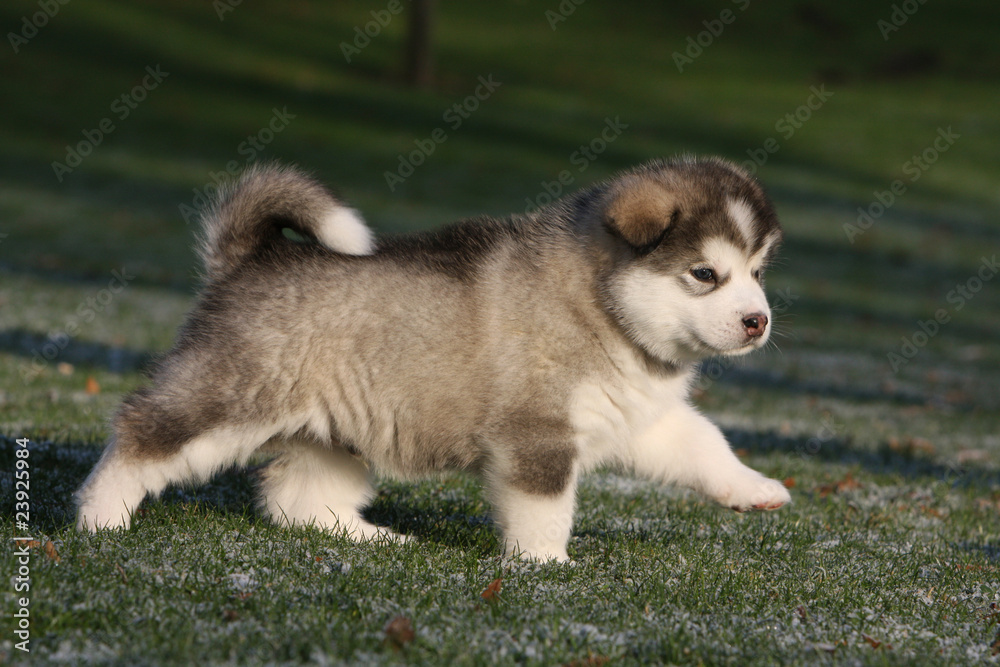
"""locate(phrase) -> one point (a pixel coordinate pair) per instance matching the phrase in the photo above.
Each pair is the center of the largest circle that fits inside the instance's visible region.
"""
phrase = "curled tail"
(251, 214)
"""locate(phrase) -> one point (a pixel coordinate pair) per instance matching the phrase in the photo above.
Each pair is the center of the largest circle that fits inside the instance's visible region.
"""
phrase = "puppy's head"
(696, 237)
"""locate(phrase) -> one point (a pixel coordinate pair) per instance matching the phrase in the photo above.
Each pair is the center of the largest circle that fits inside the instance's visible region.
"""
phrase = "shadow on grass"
(989, 550)
(41, 351)
(58, 470)
(457, 517)
(884, 460)
(428, 516)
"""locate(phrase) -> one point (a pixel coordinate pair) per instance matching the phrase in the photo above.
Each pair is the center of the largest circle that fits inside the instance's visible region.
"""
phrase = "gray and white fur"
(527, 350)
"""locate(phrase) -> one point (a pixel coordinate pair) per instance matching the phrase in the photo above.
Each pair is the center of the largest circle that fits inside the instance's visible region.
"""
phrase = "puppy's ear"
(641, 213)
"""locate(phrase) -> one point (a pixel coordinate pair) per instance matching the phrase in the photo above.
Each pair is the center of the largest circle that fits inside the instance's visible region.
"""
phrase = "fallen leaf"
(932, 512)
(92, 386)
(874, 643)
(492, 592)
(230, 615)
(789, 482)
(911, 446)
(840, 486)
(742, 452)
(50, 551)
(399, 632)
(973, 456)
(64, 368)
(957, 396)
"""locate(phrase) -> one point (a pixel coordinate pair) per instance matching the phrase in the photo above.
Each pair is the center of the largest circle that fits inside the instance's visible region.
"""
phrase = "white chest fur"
(610, 413)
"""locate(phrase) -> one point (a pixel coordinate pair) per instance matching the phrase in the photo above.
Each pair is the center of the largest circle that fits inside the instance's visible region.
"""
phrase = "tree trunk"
(419, 67)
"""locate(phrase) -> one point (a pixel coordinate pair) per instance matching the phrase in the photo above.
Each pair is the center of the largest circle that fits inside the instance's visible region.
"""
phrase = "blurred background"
(874, 126)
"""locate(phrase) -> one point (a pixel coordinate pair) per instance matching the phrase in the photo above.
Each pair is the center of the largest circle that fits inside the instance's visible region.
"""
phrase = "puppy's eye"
(757, 274)
(704, 275)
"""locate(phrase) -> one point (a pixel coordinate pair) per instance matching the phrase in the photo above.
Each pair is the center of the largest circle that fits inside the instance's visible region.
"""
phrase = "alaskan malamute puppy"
(527, 350)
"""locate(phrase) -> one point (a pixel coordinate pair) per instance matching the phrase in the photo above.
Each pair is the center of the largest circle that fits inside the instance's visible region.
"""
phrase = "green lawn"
(890, 553)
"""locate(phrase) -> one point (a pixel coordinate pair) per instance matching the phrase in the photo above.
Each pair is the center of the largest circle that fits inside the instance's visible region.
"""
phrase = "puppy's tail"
(250, 215)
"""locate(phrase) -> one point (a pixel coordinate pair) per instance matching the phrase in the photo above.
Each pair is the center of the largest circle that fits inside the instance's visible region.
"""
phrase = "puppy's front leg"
(534, 526)
(533, 492)
(684, 447)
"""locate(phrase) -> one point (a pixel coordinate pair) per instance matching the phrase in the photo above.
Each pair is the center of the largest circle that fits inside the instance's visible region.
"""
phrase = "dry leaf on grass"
(50, 551)
(399, 632)
(92, 386)
(492, 592)
(910, 446)
(874, 643)
(840, 486)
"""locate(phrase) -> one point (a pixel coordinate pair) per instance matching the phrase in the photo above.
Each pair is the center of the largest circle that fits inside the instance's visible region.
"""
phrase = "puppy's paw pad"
(761, 494)
(768, 507)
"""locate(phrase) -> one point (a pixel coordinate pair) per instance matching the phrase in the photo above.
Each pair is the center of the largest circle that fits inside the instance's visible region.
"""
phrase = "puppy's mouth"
(705, 349)
(746, 347)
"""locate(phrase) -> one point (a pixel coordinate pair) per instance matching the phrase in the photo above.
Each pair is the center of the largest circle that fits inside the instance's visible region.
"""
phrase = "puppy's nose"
(756, 324)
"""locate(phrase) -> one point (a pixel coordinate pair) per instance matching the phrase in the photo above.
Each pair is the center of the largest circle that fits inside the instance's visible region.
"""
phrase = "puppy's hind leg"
(149, 451)
(111, 492)
(325, 486)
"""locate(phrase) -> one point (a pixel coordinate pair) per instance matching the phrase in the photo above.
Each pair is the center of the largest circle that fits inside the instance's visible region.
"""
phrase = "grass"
(890, 553)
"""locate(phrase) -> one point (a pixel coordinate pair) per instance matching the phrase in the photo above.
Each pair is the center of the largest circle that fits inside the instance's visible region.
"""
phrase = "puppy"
(527, 350)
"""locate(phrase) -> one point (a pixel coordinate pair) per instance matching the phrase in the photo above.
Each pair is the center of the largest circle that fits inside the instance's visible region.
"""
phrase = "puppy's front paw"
(754, 492)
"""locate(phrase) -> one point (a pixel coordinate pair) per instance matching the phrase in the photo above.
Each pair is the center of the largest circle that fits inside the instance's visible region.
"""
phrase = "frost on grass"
(243, 582)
